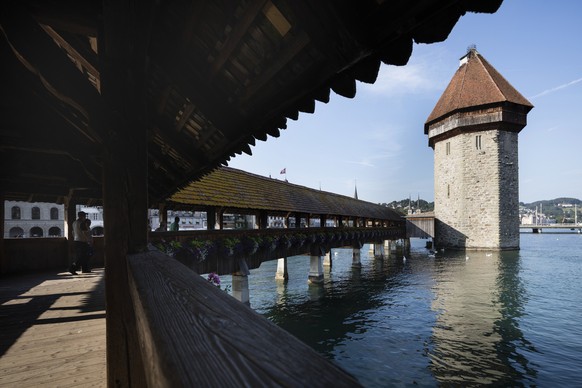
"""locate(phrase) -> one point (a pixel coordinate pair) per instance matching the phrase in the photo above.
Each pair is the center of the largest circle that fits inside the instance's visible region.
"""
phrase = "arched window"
(16, 232)
(54, 213)
(55, 231)
(15, 213)
(35, 213)
(36, 232)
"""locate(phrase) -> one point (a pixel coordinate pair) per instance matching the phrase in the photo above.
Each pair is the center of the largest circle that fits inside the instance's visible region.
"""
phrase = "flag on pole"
(284, 171)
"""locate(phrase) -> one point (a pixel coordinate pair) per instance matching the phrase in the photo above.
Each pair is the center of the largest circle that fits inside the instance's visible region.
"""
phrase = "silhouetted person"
(81, 244)
(175, 226)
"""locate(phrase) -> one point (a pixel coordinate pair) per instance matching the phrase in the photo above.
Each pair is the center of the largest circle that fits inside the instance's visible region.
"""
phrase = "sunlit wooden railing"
(193, 334)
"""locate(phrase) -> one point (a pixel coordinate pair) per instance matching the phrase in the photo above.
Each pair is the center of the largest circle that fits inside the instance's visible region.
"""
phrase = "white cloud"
(415, 78)
(398, 80)
(563, 86)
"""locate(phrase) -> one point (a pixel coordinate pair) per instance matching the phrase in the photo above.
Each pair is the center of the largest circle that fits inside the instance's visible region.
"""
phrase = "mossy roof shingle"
(235, 189)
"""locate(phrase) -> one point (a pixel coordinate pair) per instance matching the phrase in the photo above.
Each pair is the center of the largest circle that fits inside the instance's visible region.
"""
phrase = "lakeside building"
(41, 219)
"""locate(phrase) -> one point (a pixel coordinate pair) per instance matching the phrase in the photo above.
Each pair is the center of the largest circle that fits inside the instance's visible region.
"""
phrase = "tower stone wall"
(476, 190)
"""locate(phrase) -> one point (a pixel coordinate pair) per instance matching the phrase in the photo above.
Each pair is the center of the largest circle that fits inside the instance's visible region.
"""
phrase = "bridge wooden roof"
(475, 84)
(217, 76)
(235, 189)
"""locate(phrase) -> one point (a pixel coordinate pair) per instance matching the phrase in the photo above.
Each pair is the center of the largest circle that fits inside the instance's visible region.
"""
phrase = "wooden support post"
(240, 288)
(407, 245)
(379, 249)
(163, 216)
(263, 220)
(327, 260)
(70, 217)
(122, 51)
(282, 273)
(211, 218)
(3, 258)
(316, 264)
(220, 219)
(356, 261)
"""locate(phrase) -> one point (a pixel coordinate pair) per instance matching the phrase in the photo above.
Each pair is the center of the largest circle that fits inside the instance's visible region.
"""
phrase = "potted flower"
(250, 244)
(200, 249)
(227, 245)
(284, 241)
(268, 243)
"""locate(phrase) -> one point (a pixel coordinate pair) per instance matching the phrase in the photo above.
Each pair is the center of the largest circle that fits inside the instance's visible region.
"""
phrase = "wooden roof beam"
(178, 143)
(90, 67)
(237, 33)
(52, 68)
(283, 58)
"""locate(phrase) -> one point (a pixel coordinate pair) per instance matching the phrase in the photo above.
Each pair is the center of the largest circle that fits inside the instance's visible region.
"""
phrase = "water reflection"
(327, 314)
(478, 297)
(429, 321)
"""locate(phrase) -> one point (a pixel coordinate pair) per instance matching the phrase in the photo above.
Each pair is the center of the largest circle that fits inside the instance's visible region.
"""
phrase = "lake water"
(476, 318)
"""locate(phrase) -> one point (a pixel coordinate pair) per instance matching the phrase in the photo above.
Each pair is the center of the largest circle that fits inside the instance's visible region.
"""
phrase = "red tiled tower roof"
(475, 84)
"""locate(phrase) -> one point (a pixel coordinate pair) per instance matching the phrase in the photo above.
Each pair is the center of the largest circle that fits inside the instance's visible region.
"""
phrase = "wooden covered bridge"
(311, 222)
(124, 103)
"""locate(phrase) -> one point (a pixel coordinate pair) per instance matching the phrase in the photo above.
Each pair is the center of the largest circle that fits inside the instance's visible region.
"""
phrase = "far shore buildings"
(40, 219)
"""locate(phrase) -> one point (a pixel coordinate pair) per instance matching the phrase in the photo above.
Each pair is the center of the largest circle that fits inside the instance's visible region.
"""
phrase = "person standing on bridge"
(175, 226)
(81, 244)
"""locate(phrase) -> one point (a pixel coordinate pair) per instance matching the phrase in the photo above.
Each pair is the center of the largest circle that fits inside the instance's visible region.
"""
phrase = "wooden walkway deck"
(52, 330)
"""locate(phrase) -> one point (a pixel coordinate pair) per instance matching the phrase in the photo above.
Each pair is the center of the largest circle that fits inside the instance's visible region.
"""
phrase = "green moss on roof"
(235, 189)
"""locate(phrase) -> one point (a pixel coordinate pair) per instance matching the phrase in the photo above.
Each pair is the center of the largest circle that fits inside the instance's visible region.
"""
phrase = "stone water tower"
(473, 130)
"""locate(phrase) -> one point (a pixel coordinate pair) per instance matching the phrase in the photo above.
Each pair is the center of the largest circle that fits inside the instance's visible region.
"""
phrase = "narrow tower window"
(448, 147)
(448, 191)
(478, 142)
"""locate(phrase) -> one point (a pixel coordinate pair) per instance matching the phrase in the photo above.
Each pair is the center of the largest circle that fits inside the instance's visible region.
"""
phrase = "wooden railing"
(193, 334)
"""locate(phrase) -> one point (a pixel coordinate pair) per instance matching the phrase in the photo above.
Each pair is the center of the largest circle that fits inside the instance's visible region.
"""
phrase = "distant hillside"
(402, 205)
(560, 209)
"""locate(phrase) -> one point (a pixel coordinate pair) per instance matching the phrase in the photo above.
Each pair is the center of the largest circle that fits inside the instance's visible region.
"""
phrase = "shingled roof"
(235, 189)
(475, 84)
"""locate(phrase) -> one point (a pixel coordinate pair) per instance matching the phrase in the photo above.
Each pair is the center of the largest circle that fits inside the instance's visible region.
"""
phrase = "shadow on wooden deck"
(52, 329)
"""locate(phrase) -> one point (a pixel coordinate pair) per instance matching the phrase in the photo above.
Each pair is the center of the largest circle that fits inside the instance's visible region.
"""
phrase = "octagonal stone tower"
(473, 130)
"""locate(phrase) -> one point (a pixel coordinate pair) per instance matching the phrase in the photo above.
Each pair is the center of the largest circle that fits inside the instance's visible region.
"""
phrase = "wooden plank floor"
(52, 330)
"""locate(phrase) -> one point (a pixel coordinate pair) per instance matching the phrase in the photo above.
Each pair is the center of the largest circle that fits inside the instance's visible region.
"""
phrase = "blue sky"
(377, 138)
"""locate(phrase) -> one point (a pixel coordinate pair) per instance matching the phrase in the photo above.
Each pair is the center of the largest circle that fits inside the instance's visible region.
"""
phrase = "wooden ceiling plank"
(281, 60)
(187, 111)
(235, 36)
(179, 145)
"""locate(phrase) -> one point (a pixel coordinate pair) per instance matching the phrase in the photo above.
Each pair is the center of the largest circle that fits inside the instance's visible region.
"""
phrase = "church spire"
(356, 190)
